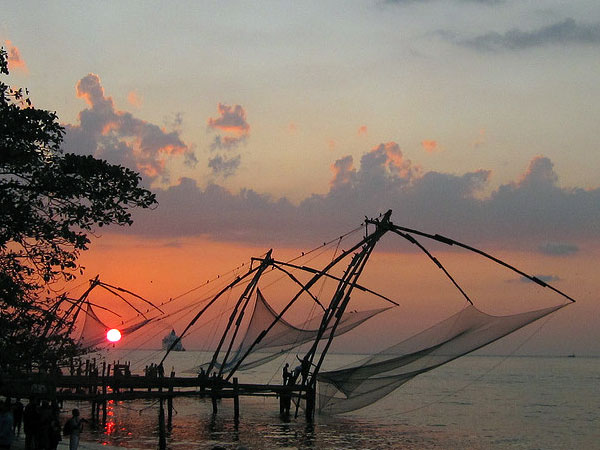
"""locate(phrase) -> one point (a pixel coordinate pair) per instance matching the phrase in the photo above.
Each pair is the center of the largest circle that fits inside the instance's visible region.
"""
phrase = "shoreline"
(19, 444)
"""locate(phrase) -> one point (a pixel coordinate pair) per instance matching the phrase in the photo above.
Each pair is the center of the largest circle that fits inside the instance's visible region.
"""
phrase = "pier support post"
(213, 396)
(214, 402)
(236, 401)
(162, 436)
(310, 403)
(170, 402)
(105, 376)
(285, 403)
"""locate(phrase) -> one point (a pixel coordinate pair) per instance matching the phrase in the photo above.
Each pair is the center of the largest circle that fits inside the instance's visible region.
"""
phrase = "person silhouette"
(75, 426)
(286, 374)
(6, 425)
(17, 410)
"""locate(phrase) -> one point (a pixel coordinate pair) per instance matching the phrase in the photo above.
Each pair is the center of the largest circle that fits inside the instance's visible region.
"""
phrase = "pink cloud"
(232, 122)
(430, 146)
(15, 61)
(120, 137)
(90, 89)
(135, 99)
(480, 140)
(389, 156)
(362, 130)
(231, 119)
(343, 172)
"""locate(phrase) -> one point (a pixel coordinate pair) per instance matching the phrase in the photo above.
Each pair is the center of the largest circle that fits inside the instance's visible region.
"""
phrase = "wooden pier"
(115, 382)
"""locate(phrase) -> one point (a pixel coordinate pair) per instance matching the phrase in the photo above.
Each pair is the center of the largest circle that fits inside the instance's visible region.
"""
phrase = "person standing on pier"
(286, 374)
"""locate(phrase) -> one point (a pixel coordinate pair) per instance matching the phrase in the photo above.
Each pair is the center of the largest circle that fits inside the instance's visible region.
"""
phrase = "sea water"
(475, 402)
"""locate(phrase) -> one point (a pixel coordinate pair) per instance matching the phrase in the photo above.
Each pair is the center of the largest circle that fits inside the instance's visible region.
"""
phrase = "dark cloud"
(544, 278)
(223, 165)
(558, 248)
(119, 137)
(173, 244)
(227, 142)
(526, 212)
(566, 32)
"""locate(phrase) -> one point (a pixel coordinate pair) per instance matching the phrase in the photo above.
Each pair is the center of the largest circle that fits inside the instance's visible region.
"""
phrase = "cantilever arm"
(435, 260)
(122, 298)
(448, 241)
(333, 277)
(299, 284)
(104, 285)
(95, 305)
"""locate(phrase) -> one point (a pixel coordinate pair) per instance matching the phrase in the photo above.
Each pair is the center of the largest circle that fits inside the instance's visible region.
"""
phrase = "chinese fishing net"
(93, 332)
(283, 336)
(371, 379)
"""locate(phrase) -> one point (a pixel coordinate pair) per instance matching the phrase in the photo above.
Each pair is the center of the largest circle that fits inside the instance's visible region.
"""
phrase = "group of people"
(290, 378)
(41, 425)
(302, 369)
(215, 377)
(154, 371)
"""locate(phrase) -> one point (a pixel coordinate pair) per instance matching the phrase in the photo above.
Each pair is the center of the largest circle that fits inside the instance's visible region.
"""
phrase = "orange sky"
(159, 270)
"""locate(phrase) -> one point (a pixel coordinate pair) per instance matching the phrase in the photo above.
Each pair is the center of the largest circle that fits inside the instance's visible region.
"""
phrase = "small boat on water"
(168, 341)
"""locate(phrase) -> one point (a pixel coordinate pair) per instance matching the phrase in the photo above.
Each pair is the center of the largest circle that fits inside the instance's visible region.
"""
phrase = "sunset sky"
(283, 124)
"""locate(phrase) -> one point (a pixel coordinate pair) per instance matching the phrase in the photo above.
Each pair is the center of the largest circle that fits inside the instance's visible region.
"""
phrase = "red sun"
(113, 335)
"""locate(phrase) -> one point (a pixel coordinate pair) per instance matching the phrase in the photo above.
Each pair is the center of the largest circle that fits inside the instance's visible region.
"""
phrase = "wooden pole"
(310, 403)
(105, 377)
(236, 400)
(170, 402)
(162, 435)
(213, 395)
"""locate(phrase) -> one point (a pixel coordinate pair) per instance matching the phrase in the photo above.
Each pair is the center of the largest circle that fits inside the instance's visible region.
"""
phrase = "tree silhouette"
(50, 201)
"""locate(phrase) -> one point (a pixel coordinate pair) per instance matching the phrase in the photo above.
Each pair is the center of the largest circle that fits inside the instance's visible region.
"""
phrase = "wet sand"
(19, 444)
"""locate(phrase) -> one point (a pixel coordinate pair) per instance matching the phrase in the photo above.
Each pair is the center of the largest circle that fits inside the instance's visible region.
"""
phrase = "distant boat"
(572, 355)
(168, 341)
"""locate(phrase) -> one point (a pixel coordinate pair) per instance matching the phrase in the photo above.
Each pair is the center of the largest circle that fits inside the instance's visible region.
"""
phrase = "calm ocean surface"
(475, 402)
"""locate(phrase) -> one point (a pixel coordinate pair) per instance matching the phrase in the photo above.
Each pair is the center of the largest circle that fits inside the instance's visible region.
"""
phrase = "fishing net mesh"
(371, 379)
(283, 336)
(93, 330)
